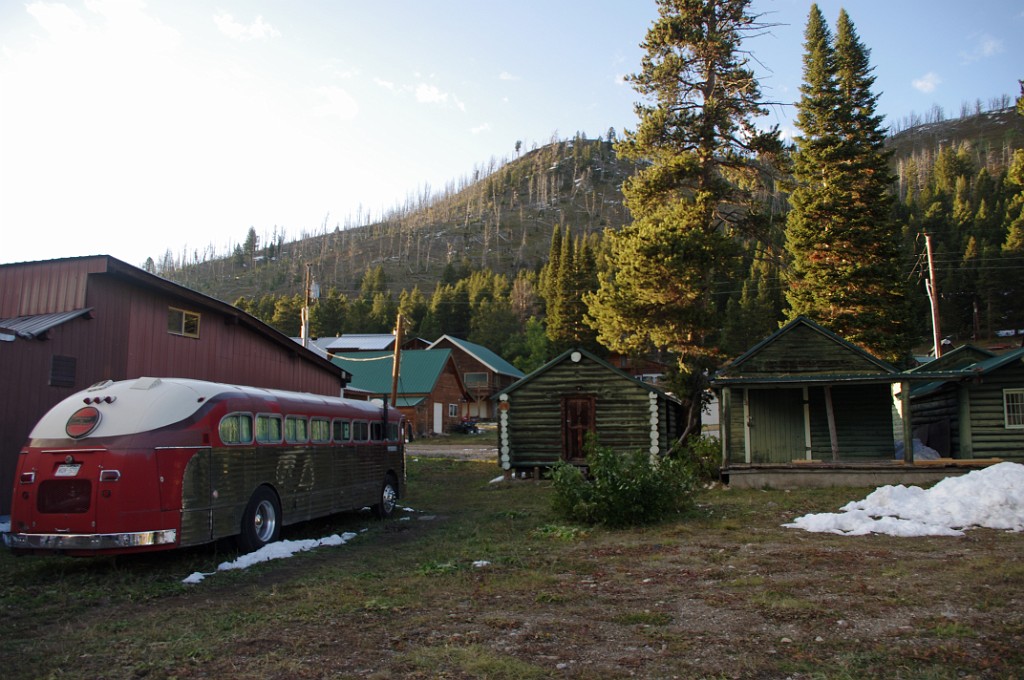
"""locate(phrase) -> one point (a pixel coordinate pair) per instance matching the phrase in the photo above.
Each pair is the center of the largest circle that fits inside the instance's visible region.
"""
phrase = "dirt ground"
(441, 448)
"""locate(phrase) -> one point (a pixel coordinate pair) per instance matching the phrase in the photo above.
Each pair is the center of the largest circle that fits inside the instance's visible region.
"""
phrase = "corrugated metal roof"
(418, 372)
(483, 355)
(359, 342)
(32, 327)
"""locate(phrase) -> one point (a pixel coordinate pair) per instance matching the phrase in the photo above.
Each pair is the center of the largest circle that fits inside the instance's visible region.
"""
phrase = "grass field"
(724, 593)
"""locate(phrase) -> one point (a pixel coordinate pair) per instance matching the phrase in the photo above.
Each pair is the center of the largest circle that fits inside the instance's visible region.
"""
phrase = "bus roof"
(143, 404)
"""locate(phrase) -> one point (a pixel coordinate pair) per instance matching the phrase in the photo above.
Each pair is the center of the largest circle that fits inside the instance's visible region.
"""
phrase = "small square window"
(181, 322)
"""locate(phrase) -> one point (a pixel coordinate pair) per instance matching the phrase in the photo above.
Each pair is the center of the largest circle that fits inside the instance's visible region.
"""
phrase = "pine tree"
(691, 199)
(845, 247)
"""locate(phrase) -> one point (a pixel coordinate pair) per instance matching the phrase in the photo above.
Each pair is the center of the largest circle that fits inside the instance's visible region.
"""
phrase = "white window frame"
(186, 316)
(453, 410)
(1013, 409)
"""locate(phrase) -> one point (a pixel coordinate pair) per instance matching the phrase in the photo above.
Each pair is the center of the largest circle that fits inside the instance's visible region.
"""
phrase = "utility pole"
(397, 360)
(933, 295)
(305, 308)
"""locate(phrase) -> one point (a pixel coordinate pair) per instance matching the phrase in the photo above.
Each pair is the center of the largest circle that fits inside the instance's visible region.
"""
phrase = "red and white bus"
(160, 463)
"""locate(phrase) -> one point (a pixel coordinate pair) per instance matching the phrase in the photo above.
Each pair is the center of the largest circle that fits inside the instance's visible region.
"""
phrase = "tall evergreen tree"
(692, 198)
(845, 248)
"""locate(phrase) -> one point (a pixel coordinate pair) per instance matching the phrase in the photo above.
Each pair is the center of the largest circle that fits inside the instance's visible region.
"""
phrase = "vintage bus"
(160, 463)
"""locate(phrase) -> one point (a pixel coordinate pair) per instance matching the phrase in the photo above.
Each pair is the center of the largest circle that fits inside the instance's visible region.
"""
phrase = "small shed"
(977, 409)
(805, 396)
(545, 417)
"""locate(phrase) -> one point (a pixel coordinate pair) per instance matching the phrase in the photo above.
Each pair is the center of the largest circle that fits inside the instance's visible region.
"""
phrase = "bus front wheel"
(388, 497)
(261, 522)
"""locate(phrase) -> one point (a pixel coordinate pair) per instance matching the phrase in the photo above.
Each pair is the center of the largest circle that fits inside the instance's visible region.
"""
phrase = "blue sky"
(130, 127)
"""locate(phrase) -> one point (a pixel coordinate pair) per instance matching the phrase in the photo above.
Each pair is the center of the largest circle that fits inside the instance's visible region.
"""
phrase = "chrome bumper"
(89, 541)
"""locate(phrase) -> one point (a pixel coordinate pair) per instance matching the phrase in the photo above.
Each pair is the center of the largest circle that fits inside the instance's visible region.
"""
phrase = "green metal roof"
(483, 355)
(418, 372)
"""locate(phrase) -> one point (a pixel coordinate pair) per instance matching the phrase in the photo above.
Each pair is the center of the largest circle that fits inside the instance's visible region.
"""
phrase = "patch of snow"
(992, 498)
(273, 551)
(481, 563)
(5, 524)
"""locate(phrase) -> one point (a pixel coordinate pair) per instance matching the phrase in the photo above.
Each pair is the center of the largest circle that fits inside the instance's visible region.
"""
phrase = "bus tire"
(388, 497)
(261, 521)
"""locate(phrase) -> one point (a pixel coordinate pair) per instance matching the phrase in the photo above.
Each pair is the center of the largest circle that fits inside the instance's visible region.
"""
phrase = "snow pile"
(273, 551)
(5, 525)
(992, 497)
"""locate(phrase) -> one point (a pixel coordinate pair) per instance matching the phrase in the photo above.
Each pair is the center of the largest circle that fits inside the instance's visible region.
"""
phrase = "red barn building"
(67, 324)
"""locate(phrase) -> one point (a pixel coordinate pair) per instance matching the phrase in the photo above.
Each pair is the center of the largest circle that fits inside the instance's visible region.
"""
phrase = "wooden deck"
(804, 474)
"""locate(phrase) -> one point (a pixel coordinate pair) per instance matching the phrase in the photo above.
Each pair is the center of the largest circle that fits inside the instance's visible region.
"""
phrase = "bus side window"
(342, 430)
(268, 429)
(377, 431)
(295, 430)
(360, 431)
(320, 430)
(392, 432)
(236, 428)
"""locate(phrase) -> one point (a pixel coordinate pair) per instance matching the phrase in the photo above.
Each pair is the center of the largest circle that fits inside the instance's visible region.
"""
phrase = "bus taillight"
(110, 475)
(27, 478)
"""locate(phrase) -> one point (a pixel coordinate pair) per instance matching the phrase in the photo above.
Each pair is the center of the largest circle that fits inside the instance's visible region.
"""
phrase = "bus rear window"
(320, 430)
(360, 432)
(392, 432)
(342, 430)
(295, 430)
(268, 429)
(236, 428)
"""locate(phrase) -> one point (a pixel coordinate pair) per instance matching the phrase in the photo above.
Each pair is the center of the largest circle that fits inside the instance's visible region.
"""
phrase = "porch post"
(908, 425)
(966, 448)
(833, 437)
(724, 423)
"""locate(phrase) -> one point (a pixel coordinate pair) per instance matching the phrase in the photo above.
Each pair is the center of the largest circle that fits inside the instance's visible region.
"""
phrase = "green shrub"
(704, 455)
(623, 489)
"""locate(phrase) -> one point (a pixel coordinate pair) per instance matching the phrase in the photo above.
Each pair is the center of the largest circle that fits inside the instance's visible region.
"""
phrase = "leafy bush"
(704, 455)
(623, 489)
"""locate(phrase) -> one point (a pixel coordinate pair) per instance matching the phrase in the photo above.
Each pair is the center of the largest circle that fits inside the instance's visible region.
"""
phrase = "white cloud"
(927, 83)
(486, 127)
(505, 75)
(386, 84)
(429, 94)
(984, 46)
(257, 30)
(620, 79)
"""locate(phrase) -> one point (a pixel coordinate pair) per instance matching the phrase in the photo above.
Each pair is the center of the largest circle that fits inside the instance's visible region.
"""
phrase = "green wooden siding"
(804, 351)
(622, 412)
(863, 415)
(991, 437)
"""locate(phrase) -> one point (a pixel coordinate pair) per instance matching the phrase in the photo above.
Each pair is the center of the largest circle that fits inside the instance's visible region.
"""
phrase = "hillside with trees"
(692, 237)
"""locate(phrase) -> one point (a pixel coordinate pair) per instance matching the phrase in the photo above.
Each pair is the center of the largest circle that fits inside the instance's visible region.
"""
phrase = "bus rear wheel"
(261, 521)
(388, 497)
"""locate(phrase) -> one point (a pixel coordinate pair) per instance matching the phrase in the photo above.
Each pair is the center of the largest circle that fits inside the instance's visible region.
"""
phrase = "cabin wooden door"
(577, 421)
(775, 423)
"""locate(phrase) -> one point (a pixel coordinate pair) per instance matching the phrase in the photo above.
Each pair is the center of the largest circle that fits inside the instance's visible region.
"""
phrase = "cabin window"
(1013, 408)
(342, 430)
(295, 430)
(181, 322)
(360, 432)
(268, 429)
(320, 430)
(453, 410)
(236, 428)
(476, 379)
(377, 431)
